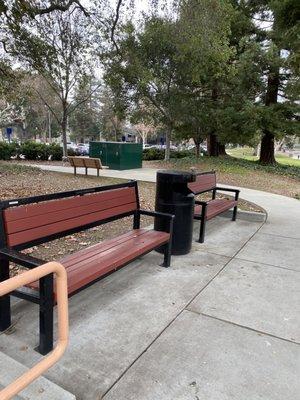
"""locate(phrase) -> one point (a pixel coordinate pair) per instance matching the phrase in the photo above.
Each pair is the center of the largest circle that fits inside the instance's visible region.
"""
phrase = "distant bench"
(86, 162)
(27, 222)
(206, 210)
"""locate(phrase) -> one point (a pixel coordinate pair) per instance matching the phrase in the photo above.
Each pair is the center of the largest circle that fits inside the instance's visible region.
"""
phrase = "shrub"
(8, 150)
(34, 151)
(55, 151)
(180, 154)
(71, 152)
(153, 154)
(159, 154)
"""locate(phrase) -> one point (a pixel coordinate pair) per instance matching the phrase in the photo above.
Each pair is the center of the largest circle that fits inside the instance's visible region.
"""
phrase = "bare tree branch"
(83, 100)
(114, 25)
(47, 105)
(59, 7)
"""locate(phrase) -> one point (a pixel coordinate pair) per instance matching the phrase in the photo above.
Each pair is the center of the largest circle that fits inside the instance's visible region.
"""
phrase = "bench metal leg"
(98, 172)
(202, 230)
(167, 254)
(5, 315)
(46, 315)
(86, 170)
(202, 224)
(168, 246)
(234, 213)
(75, 171)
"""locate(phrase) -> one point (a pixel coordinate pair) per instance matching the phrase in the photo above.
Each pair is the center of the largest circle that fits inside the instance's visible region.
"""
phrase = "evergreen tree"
(278, 110)
(170, 65)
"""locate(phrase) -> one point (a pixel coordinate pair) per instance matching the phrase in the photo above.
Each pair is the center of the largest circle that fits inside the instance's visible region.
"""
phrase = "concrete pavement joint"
(243, 326)
(266, 264)
(282, 236)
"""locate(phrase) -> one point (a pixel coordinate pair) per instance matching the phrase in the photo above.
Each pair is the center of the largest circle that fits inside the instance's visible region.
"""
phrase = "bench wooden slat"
(76, 161)
(46, 230)
(46, 207)
(109, 256)
(89, 252)
(108, 250)
(92, 163)
(110, 261)
(203, 183)
(25, 224)
(215, 207)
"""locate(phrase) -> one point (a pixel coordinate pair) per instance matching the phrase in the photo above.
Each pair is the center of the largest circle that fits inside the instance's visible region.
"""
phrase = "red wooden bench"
(206, 210)
(31, 221)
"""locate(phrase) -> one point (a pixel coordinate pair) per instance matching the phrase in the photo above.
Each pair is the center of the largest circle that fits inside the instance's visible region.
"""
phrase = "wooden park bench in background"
(27, 222)
(86, 162)
(206, 210)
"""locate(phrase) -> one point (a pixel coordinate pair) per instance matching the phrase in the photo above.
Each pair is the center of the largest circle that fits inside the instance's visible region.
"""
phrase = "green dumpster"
(118, 155)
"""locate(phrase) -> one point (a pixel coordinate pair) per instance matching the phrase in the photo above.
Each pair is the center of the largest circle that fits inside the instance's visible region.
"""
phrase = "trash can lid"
(175, 176)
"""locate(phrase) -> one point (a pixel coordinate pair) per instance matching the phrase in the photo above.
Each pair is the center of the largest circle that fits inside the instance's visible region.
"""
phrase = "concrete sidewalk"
(223, 323)
(139, 174)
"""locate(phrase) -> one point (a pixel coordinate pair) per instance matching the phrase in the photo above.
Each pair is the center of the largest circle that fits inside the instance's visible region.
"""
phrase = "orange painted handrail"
(63, 322)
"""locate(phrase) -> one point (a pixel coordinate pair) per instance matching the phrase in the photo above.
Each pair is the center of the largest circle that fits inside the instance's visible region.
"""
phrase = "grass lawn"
(245, 172)
(246, 154)
(23, 181)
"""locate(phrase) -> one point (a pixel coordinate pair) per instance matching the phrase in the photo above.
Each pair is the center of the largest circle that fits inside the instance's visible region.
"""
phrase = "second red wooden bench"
(206, 210)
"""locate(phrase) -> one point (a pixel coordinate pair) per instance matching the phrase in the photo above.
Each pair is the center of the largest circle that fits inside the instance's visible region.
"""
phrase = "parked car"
(71, 145)
(82, 149)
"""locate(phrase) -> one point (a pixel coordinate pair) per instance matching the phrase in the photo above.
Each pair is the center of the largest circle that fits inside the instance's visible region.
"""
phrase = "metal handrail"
(63, 322)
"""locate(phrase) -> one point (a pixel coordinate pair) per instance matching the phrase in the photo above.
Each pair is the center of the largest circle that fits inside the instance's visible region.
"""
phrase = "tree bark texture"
(267, 150)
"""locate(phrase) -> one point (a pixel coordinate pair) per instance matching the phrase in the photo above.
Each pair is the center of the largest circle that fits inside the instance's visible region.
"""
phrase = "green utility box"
(118, 155)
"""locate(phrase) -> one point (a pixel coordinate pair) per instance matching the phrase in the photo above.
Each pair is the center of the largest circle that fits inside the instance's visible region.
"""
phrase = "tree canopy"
(225, 71)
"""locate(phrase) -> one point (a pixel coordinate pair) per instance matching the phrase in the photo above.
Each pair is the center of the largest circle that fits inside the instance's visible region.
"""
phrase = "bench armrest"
(159, 214)
(203, 191)
(156, 214)
(19, 258)
(227, 189)
(236, 191)
(201, 203)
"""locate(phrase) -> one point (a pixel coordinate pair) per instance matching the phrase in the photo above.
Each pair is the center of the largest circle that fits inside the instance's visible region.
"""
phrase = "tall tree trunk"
(64, 133)
(267, 153)
(197, 142)
(212, 139)
(267, 150)
(168, 138)
(212, 145)
(222, 150)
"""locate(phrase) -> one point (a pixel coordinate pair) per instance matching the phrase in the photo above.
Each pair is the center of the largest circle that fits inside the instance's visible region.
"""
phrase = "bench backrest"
(204, 181)
(76, 161)
(93, 163)
(44, 220)
(86, 162)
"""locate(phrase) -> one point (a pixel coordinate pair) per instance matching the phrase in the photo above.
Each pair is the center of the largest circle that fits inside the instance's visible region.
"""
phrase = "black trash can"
(174, 197)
